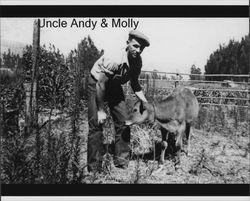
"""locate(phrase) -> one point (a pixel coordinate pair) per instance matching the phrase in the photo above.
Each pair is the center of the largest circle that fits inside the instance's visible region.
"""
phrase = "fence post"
(31, 118)
(1, 117)
(28, 107)
(34, 83)
(147, 84)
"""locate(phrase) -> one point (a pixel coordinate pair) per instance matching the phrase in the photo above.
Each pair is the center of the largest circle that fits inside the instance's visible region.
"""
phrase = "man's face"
(134, 48)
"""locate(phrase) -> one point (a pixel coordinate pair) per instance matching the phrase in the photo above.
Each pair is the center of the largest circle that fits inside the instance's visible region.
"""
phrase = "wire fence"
(208, 92)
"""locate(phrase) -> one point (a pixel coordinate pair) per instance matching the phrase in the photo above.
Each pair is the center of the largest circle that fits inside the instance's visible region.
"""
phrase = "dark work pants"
(116, 102)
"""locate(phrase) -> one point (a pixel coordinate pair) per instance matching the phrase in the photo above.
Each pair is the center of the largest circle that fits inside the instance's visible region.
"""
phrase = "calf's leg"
(189, 130)
(164, 144)
(179, 141)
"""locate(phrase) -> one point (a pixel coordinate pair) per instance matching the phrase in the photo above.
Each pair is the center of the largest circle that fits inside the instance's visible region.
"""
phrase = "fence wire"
(215, 93)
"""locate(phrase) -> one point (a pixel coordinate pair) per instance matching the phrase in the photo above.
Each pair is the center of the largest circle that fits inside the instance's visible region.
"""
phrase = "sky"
(175, 43)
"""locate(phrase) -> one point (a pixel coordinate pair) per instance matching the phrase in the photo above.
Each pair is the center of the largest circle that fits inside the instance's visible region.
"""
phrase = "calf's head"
(140, 113)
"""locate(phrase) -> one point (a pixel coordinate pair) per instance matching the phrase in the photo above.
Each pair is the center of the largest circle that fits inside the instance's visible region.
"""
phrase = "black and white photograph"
(124, 100)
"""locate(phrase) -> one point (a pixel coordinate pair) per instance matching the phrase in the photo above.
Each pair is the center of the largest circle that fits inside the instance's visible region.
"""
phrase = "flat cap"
(139, 35)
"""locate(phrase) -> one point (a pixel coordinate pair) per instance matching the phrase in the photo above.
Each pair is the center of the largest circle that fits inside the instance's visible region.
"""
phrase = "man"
(104, 84)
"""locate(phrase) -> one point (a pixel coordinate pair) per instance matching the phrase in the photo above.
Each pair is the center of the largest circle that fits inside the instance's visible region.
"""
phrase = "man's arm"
(137, 87)
(141, 96)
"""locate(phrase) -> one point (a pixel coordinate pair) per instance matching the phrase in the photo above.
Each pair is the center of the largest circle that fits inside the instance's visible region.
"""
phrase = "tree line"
(231, 58)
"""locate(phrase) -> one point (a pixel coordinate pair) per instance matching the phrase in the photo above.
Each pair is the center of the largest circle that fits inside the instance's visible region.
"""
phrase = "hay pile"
(143, 136)
(143, 139)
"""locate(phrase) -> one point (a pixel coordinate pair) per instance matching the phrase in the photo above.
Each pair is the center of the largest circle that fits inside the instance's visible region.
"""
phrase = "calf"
(175, 114)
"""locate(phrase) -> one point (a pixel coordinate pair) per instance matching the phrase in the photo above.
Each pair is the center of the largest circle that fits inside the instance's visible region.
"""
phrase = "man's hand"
(101, 116)
(141, 96)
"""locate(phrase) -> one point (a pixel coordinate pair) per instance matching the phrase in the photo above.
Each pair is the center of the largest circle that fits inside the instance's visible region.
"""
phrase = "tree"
(154, 74)
(195, 70)
(232, 58)
(6, 74)
(53, 79)
(81, 61)
(10, 60)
